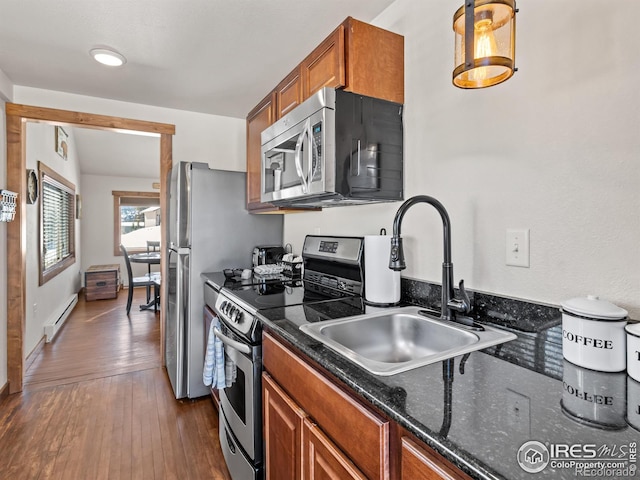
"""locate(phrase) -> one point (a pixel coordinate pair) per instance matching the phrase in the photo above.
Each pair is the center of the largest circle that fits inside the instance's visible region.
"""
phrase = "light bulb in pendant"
(485, 45)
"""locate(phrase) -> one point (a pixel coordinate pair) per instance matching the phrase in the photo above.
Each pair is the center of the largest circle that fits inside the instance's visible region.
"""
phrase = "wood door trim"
(16, 118)
(88, 120)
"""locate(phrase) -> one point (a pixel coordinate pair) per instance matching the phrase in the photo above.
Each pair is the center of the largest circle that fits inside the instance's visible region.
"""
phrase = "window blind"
(58, 212)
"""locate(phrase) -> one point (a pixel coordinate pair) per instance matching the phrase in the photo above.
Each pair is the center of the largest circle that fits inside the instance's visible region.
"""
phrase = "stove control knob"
(231, 311)
(223, 305)
(238, 316)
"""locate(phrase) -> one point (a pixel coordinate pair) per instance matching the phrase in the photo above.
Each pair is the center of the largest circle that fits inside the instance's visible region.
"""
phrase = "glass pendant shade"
(489, 58)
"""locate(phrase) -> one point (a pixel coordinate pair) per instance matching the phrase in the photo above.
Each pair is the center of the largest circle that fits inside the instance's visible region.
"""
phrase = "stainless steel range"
(333, 269)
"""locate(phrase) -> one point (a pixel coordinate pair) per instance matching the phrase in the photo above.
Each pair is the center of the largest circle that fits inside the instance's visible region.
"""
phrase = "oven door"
(241, 401)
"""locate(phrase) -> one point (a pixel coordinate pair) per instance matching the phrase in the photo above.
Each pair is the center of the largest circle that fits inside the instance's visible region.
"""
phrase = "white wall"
(218, 141)
(97, 219)
(43, 301)
(555, 149)
(6, 88)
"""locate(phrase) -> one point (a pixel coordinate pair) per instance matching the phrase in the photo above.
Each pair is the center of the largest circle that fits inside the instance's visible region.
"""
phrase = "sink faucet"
(450, 304)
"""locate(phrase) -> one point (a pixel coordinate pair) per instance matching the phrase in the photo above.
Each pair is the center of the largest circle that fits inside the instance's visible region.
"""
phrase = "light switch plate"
(517, 251)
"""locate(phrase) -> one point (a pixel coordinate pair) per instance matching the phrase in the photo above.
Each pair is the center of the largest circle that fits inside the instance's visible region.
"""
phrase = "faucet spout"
(450, 305)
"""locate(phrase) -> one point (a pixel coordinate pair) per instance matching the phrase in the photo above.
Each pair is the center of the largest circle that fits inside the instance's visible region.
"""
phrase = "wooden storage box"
(101, 282)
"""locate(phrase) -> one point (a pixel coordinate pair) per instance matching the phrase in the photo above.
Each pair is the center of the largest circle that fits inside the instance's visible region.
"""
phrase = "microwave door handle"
(312, 146)
(297, 155)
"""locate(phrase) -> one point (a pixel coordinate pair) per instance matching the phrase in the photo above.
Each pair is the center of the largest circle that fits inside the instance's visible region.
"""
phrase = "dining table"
(150, 258)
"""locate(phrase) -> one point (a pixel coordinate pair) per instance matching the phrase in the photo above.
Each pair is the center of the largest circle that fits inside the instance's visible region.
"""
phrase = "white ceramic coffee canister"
(593, 334)
(595, 398)
(633, 350)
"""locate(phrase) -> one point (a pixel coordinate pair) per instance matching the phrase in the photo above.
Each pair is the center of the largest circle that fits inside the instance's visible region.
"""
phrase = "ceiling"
(212, 56)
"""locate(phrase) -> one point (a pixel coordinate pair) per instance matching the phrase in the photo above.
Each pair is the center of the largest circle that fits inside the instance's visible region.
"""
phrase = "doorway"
(17, 117)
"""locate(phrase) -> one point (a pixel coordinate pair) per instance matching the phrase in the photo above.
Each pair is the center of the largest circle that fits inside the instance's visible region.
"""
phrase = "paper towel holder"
(385, 294)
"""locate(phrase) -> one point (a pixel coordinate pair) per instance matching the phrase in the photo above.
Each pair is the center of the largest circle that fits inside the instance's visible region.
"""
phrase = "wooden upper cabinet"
(356, 57)
(289, 93)
(360, 58)
(258, 119)
(374, 61)
(325, 66)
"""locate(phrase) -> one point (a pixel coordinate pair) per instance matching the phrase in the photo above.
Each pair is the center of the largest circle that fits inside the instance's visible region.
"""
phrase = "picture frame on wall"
(62, 144)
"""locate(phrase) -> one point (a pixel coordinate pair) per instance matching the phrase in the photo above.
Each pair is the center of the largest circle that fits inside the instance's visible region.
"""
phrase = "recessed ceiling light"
(108, 57)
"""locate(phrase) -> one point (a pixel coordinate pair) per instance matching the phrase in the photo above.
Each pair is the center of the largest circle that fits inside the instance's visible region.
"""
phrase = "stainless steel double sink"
(391, 341)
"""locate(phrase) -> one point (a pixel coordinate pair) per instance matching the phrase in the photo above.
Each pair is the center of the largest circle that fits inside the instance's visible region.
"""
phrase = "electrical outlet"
(518, 412)
(517, 251)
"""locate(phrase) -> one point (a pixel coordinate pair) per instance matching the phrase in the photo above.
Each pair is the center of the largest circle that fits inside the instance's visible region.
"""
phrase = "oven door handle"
(241, 347)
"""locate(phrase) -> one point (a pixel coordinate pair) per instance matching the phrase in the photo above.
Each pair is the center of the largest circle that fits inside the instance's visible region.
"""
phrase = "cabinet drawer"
(421, 463)
(355, 429)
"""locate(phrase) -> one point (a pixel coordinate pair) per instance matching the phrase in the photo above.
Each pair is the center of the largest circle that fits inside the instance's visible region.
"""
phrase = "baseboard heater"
(55, 321)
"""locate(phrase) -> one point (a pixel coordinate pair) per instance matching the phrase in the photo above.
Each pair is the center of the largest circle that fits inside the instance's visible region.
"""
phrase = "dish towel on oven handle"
(213, 372)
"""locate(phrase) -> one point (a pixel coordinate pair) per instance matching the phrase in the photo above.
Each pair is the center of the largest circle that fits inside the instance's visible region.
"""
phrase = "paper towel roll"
(381, 284)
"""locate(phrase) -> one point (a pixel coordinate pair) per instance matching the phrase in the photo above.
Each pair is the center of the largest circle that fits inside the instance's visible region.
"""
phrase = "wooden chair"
(152, 246)
(145, 281)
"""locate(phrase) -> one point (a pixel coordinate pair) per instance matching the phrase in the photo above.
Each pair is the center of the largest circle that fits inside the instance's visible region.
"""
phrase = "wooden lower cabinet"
(421, 463)
(321, 459)
(359, 433)
(295, 447)
(283, 420)
(313, 429)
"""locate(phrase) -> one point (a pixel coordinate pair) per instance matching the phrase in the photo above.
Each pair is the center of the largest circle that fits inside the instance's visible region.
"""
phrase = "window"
(136, 219)
(57, 223)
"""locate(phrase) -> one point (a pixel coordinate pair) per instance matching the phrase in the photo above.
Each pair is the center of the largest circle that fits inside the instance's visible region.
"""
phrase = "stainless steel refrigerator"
(209, 230)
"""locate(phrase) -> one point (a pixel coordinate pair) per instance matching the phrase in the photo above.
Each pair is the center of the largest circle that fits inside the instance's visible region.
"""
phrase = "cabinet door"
(260, 118)
(289, 93)
(420, 464)
(322, 459)
(325, 66)
(282, 432)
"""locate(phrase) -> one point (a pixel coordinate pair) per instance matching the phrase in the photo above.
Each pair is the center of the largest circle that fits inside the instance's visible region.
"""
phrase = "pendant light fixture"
(485, 32)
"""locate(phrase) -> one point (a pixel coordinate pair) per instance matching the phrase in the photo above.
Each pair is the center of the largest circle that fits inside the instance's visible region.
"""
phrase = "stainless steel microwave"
(335, 148)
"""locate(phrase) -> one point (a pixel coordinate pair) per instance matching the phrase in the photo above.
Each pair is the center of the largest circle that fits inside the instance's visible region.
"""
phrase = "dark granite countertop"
(478, 410)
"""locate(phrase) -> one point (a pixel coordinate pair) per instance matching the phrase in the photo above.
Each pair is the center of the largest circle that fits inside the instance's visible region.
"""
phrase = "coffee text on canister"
(588, 341)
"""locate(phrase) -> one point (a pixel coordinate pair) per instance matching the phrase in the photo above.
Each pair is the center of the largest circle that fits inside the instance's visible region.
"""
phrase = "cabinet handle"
(101, 284)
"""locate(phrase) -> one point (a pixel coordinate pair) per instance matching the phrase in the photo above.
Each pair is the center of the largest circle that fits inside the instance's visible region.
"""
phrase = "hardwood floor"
(98, 405)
